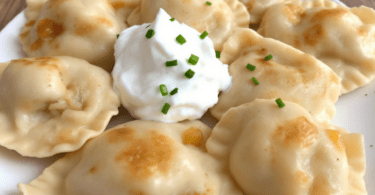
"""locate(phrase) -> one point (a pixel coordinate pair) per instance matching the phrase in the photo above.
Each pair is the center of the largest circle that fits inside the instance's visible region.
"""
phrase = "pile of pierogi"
(266, 73)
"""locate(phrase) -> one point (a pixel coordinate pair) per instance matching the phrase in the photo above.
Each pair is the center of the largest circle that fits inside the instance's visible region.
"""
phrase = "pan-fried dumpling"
(285, 151)
(138, 157)
(78, 28)
(50, 105)
(257, 8)
(219, 19)
(290, 75)
(342, 38)
(123, 8)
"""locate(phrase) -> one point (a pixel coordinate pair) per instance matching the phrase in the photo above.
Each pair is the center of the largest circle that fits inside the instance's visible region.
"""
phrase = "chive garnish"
(208, 3)
(147, 26)
(172, 19)
(193, 60)
(180, 39)
(171, 63)
(163, 90)
(150, 33)
(280, 103)
(203, 35)
(255, 81)
(174, 91)
(217, 54)
(189, 74)
(268, 57)
(118, 35)
(165, 108)
(250, 67)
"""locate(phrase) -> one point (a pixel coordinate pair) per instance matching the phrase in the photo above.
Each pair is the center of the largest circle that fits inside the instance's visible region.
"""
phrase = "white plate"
(355, 112)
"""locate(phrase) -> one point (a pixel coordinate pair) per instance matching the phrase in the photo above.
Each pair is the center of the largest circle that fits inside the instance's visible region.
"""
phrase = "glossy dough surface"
(290, 75)
(219, 19)
(286, 151)
(78, 28)
(138, 157)
(342, 38)
(50, 105)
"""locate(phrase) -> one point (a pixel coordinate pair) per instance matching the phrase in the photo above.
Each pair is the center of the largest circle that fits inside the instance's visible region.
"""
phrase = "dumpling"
(50, 105)
(290, 75)
(341, 37)
(257, 8)
(123, 8)
(78, 28)
(138, 157)
(285, 151)
(219, 19)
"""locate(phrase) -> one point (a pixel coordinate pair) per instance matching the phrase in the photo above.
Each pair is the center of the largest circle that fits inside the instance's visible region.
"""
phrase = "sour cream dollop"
(140, 69)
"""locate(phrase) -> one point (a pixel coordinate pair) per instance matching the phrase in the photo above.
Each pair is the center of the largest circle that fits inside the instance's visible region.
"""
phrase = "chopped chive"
(172, 19)
(150, 33)
(203, 35)
(280, 103)
(171, 63)
(180, 39)
(118, 35)
(174, 91)
(193, 60)
(255, 81)
(250, 67)
(189, 74)
(147, 26)
(163, 90)
(268, 57)
(208, 3)
(217, 54)
(366, 94)
(165, 108)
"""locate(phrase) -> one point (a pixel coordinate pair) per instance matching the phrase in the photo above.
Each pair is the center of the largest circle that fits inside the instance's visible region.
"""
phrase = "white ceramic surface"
(354, 111)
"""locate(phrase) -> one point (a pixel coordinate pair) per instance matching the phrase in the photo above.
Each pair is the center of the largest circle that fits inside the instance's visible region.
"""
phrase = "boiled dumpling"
(285, 151)
(341, 37)
(138, 157)
(50, 105)
(220, 19)
(290, 75)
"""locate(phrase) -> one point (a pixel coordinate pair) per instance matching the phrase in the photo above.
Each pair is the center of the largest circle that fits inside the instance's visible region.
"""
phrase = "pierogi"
(78, 28)
(290, 75)
(220, 19)
(50, 105)
(341, 37)
(138, 157)
(285, 151)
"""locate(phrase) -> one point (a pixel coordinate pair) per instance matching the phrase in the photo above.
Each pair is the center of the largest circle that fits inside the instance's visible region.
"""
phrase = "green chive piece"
(172, 19)
(189, 74)
(171, 63)
(118, 35)
(163, 90)
(165, 108)
(366, 94)
(208, 3)
(255, 81)
(280, 103)
(203, 35)
(268, 57)
(217, 54)
(147, 26)
(180, 39)
(193, 60)
(250, 67)
(150, 33)
(174, 91)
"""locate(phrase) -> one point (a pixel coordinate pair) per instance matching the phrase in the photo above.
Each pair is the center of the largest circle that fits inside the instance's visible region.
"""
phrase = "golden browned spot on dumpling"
(120, 135)
(262, 52)
(250, 5)
(121, 4)
(47, 30)
(193, 136)
(103, 21)
(301, 178)
(294, 13)
(328, 13)
(24, 34)
(83, 28)
(56, 3)
(144, 157)
(335, 137)
(93, 170)
(320, 186)
(314, 34)
(24, 61)
(297, 132)
(65, 136)
(136, 193)
(30, 23)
